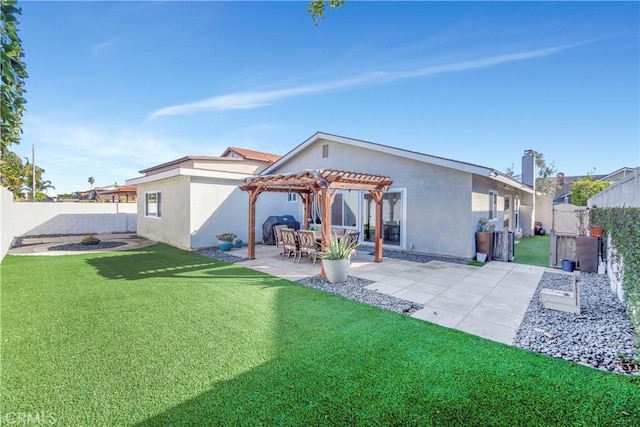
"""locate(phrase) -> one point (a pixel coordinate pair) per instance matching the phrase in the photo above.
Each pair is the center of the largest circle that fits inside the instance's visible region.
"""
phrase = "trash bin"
(568, 265)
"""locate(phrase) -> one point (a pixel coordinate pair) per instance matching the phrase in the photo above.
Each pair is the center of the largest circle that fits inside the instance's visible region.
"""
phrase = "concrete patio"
(488, 301)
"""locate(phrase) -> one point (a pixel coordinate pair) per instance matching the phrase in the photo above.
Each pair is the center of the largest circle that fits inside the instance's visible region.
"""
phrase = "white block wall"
(21, 219)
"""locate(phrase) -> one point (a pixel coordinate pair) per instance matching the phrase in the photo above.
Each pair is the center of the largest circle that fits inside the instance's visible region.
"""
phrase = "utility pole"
(33, 173)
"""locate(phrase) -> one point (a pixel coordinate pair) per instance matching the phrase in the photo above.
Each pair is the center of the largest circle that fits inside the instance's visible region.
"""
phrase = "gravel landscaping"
(421, 257)
(354, 289)
(81, 247)
(601, 336)
(220, 255)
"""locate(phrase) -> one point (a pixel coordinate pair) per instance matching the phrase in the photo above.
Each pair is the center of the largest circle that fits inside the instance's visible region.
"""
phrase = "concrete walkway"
(488, 301)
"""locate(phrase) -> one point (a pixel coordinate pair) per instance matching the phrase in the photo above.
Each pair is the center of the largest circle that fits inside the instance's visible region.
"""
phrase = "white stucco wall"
(173, 225)
(217, 206)
(6, 221)
(44, 218)
(622, 193)
(438, 203)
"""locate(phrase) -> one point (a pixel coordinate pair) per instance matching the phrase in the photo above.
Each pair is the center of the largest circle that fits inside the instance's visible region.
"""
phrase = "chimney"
(560, 178)
(529, 168)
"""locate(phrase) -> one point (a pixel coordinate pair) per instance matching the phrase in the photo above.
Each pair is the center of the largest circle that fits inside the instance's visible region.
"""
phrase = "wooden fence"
(503, 245)
(563, 246)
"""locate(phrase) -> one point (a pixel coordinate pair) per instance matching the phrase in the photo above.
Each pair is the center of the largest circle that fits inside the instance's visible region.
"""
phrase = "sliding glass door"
(392, 217)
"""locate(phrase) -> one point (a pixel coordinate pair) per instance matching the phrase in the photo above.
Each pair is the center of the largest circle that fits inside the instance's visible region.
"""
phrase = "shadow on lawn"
(161, 260)
(358, 366)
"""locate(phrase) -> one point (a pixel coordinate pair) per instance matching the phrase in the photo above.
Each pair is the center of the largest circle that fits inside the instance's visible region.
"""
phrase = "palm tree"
(91, 181)
(44, 186)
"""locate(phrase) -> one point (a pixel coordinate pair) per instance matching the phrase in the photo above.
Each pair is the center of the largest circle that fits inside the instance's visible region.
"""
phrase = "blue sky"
(116, 87)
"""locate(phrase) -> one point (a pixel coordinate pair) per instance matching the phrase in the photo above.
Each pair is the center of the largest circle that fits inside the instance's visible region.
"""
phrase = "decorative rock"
(601, 336)
(86, 247)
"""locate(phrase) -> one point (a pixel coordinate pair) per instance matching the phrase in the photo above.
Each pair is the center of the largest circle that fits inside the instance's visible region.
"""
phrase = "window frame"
(158, 202)
(493, 205)
(292, 197)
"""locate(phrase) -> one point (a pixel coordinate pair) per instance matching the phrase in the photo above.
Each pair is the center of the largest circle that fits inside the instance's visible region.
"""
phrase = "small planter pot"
(480, 257)
(224, 246)
(238, 243)
(484, 243)
(337, 270)
(596, 231)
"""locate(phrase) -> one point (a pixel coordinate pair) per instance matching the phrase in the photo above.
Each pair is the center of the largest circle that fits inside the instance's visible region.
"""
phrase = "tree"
(12, 174)
(317, 7)
(14, 72)
(509, 171)
(586, 187)
(546, 182)
(42, 186)
(91, 181)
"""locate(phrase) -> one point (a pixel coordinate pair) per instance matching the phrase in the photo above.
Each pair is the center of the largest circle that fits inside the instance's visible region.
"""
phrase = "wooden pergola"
(321, 183)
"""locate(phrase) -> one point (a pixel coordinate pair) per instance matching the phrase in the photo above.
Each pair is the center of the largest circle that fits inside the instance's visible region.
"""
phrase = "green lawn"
(160, 336)
(533, 251)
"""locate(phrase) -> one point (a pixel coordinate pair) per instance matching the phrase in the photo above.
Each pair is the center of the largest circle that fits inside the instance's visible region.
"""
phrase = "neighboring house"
(110, 193)
(563, 192)
(187, 201)
(435, 203)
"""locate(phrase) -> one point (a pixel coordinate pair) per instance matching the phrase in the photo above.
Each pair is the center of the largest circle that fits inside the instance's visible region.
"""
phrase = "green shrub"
(623, 225)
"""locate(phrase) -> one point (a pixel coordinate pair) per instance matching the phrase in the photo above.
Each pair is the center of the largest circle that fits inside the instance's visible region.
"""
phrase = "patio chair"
(289, 244)
(276, 232)
(308, 245)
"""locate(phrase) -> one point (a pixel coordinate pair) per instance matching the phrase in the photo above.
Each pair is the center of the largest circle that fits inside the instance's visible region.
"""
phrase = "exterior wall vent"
(325, 150)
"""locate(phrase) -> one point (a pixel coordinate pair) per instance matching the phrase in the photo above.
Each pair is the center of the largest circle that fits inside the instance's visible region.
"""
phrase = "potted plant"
(225, 241)
(596, 230)
(90, 239)
(484, 239)
(335, 258)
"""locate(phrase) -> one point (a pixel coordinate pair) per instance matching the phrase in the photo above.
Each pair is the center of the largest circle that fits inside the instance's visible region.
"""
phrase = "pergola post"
(377, 198)
(307, 198)
(251, 245)
(325, 212)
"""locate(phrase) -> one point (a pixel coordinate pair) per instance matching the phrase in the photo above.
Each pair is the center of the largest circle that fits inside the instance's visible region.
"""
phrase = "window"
(344, 209)
(493, 205)
(292, 197)
(325, 150)
(152, 204)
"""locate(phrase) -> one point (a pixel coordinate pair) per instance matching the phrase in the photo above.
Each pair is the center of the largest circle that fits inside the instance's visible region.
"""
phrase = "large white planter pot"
(337, 269)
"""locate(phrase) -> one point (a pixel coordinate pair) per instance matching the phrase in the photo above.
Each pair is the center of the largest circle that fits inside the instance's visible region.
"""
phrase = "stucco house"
(187, 201)
(435, 203)
(433, 206)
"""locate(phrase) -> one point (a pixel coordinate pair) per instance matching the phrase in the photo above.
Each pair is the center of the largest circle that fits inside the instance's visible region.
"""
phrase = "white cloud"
(256, 99)
(103, 47)
(70, 151)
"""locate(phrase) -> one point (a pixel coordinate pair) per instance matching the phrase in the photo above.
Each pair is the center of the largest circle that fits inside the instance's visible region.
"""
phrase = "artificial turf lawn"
(533, 251)
(160, 336)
